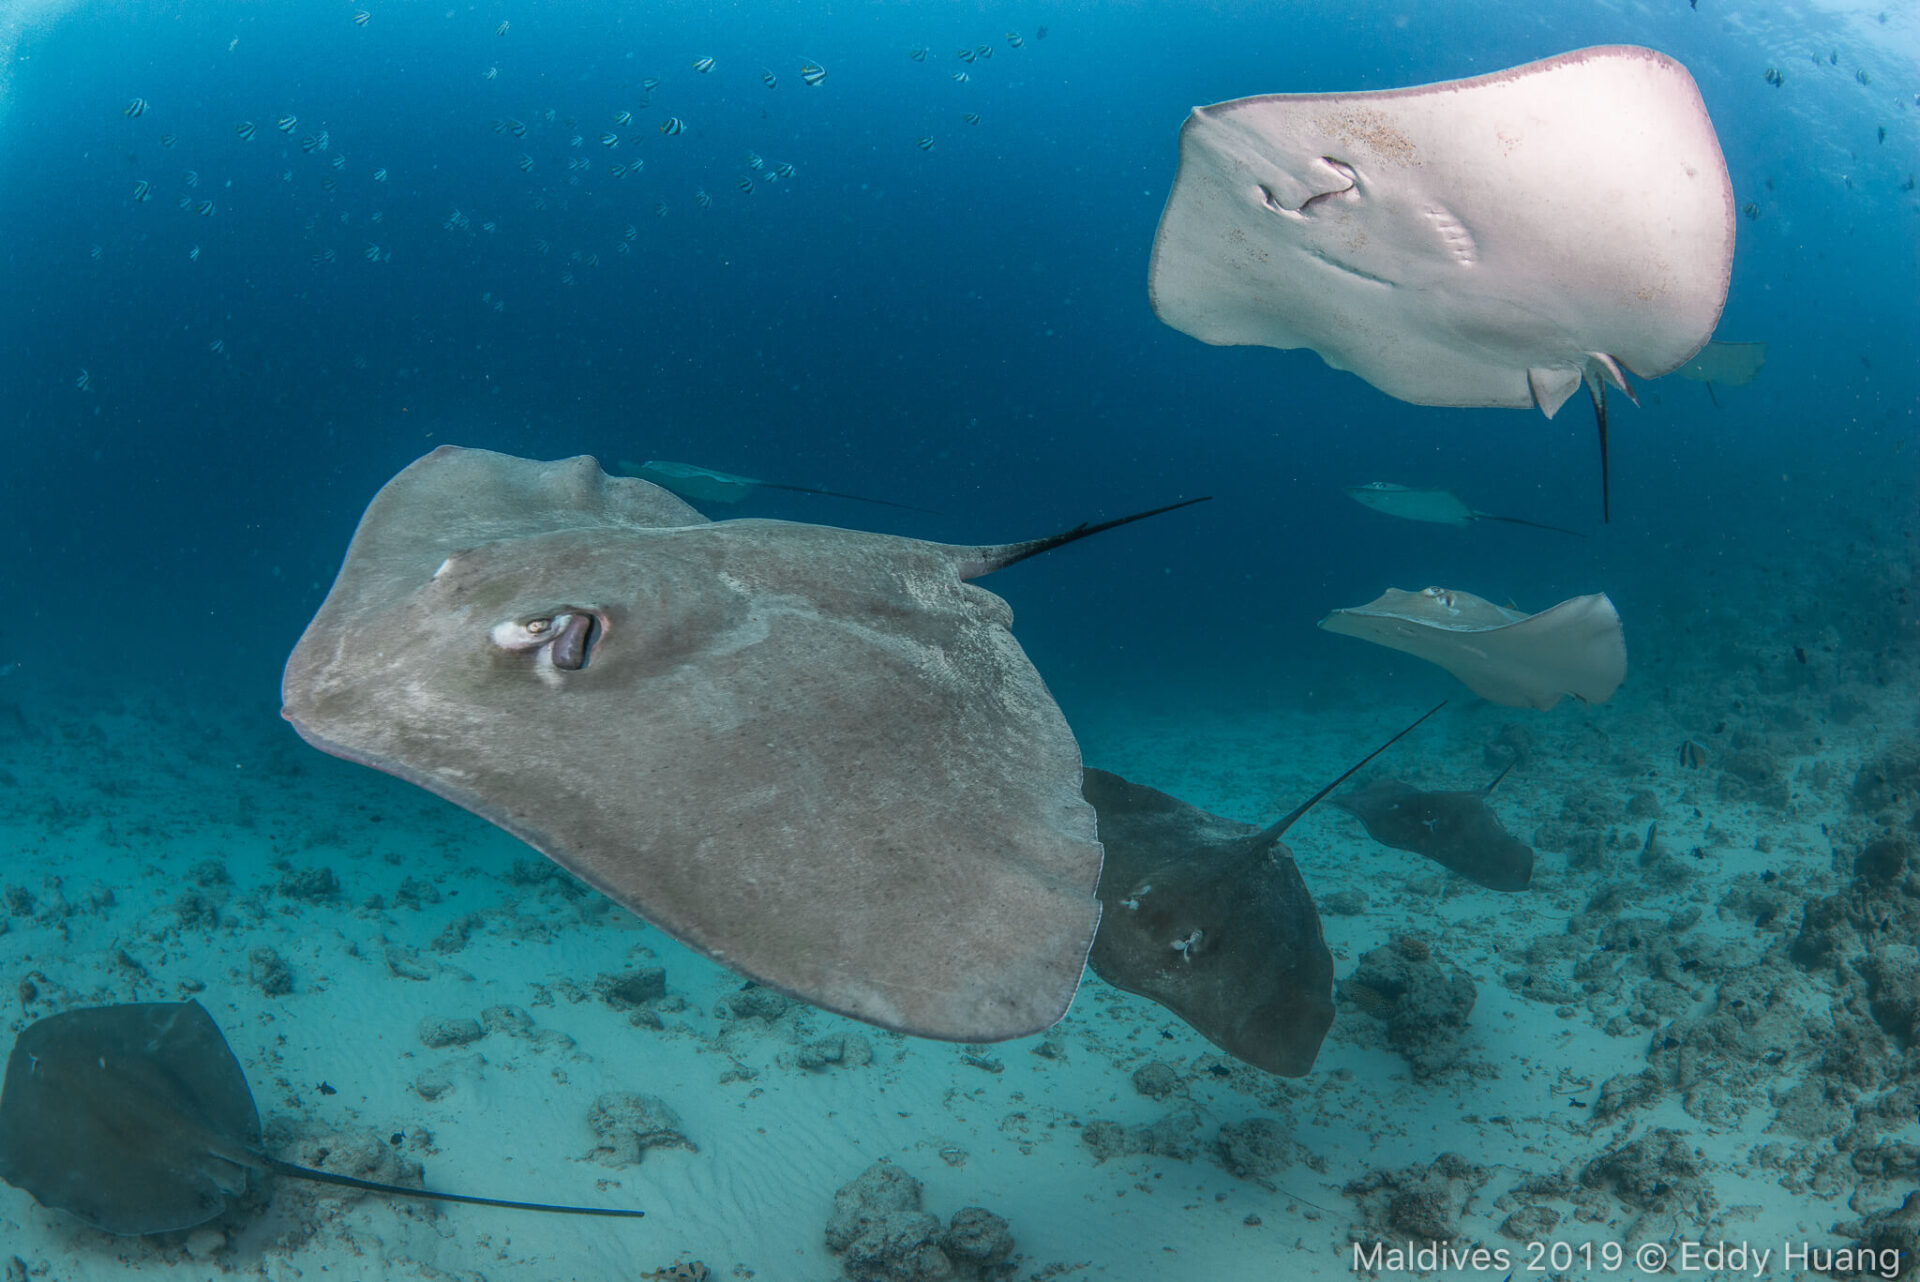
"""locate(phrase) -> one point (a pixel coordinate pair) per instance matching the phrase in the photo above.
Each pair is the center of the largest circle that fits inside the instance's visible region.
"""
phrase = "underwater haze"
(257, 258)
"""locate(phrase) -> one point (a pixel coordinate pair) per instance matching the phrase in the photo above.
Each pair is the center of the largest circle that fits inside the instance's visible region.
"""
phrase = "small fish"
(619, 170)
(143, 190)
(325, 256)
(193, 255)
(501, 30)
(310, 144)
(1774, 77)
(361, 18)
(489, 226)
(609, 140)
(246, 129)
(661, 209)
(985, 51)
(632, 232)
(193, 177)
(703, 65)
(576, 141)
(329, 183)
(83, 382)
(784, 169)
(167, 140)
(650, 83)
(217, 346)
(286, 123)
(547, 116)
(1883, 133)
(701, 198)
(326, 140)
(754, 161)
(96, 253)
(1692, 755)
(491, 73)
(204, 209)
(673, 125)
(971, 117)
(918, 53)
(526, 163)
(925, 144)
(138, 107)
(812, 73)
(1908, 184)
(1833, 59)
(961, 77)
(185, 202)
(623, 117)
(338, 162)
(1862, 77)
(1013, 39)
(746, 184)
(380, 175)
(768, 78)
(517, 128)
(371, 253)
(1751, 210)
(967, 55)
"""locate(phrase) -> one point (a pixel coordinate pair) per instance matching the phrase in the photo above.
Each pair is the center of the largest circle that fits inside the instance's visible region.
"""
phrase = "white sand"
(133, 796)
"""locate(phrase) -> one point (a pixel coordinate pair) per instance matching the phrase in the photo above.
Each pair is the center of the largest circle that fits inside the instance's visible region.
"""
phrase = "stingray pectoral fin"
(397, 1190)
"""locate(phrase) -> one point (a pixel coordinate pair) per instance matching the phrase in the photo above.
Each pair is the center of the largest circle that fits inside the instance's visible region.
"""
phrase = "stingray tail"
(837, 494)
(1502, 775)
(1598, 364)
(985, 560)
(1273, 832)
(1521, 520)
(347, 1181)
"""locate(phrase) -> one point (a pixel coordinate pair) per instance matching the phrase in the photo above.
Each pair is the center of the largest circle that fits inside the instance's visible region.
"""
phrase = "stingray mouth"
(565, 638)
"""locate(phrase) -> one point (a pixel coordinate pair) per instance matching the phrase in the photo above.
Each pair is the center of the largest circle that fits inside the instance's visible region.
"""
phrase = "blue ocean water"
(964, 328)
(200, 391)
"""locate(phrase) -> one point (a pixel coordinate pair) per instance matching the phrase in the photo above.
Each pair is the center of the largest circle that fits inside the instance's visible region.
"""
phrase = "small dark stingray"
(1211, 919)
(138, 1119)
(1454, 829)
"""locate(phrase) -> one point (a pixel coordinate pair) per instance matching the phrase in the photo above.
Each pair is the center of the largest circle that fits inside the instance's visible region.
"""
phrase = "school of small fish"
(550, 150)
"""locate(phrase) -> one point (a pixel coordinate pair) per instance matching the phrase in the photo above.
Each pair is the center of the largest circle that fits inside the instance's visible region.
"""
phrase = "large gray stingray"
(1439, 507)
(1494, 241)
(1522, 660)
(1211, 919)
(1728, 364)
(704, 485)
(1454, 829)
(816, 755)
(138, 1119)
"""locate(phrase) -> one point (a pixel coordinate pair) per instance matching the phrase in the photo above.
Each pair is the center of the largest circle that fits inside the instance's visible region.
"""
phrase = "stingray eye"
(538, 626)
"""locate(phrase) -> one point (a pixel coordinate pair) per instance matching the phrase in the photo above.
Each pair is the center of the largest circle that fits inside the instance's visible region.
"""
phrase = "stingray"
(1441, 507)
(1454, 829)
(1521, 660)
(138, 1119)
(1728, 364)
(1211, 919)
(1496, 241)
(817, 756)
(704, 485)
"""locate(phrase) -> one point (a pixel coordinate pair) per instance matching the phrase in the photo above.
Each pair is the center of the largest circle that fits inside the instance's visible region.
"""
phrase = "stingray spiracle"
(1189, 944)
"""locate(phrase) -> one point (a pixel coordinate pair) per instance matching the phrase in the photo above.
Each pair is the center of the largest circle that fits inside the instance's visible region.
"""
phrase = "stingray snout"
(565, 638)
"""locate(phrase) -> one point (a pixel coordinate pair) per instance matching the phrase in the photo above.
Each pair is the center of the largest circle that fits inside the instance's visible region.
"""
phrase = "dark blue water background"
(964, 328)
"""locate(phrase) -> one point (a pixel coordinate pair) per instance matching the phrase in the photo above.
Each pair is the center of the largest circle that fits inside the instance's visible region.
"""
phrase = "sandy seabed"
(1704, 1042)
